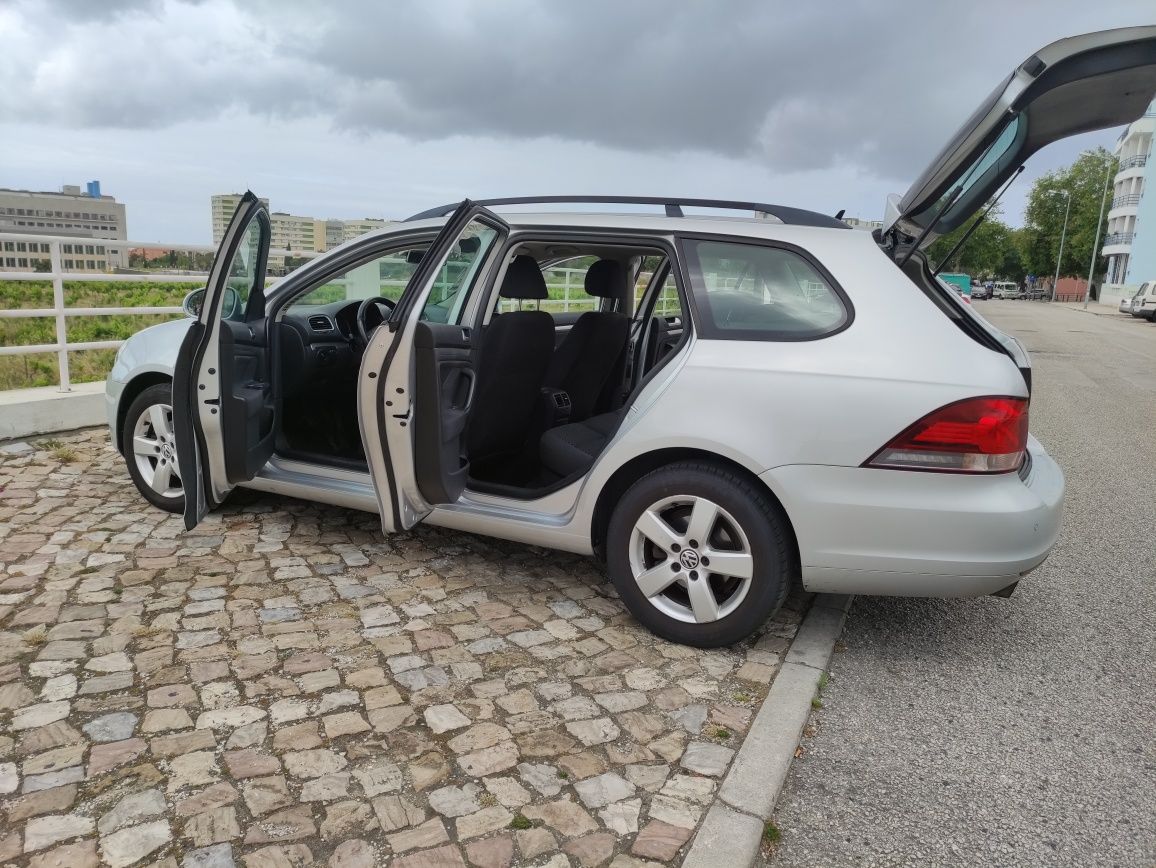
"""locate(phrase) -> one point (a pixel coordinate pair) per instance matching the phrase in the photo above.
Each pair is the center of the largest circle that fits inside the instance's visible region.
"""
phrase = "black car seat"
(590, 362)
(516, 351)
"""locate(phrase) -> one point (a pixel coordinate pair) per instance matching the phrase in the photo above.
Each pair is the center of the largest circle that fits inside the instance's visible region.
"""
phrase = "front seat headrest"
(524, 280)
(606, 278)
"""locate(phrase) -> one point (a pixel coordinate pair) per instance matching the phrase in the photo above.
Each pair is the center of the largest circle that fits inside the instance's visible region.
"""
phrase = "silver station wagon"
(744, 403)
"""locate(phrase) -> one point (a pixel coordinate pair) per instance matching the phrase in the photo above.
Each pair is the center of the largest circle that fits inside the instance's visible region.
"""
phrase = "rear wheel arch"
(639, 466)
(129, 394)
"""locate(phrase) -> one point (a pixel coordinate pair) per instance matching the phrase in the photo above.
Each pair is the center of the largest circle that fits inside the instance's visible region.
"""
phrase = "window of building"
(89, 249)
(22, 262)
(10, 262)
(68, 263)
(21, 247)
(92, 265)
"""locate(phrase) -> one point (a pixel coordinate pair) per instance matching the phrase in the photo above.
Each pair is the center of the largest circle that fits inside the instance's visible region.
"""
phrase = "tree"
(991, 251)
(1044, 215)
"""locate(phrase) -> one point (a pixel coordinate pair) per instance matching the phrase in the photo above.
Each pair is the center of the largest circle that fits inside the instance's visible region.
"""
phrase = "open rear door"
(222, 385)
(1077, 85)
(416, 382)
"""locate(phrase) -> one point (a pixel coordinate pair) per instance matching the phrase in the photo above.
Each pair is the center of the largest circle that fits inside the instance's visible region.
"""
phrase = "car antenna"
(975, 225)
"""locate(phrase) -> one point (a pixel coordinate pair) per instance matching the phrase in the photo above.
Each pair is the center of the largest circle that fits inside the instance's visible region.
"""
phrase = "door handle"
(469, 375)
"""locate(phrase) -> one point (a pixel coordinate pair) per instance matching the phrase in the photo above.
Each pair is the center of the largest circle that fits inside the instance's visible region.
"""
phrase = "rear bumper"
(893, 532)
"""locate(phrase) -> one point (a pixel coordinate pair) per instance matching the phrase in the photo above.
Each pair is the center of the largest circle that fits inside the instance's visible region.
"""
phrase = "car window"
(384, 277)
(456, 277)
(243, 277)
(761, 292)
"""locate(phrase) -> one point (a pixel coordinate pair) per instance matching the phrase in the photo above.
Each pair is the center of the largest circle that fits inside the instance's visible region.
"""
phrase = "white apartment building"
(222, 206)
(86, 214)
(1130, 242)
(291, 231)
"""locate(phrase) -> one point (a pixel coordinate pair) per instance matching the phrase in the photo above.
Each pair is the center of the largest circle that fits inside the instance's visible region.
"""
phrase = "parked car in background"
(981, 290)
(1126, 301)
(784, 400)
(1006, 289)
(1144, 301)
(962, 282)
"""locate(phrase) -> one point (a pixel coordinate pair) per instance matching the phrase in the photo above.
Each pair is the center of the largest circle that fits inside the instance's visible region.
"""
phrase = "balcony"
(1118, 238)
(1127, 199)
(1133, 162)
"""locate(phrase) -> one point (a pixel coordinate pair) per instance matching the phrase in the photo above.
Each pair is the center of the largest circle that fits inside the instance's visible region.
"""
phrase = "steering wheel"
(370, 314)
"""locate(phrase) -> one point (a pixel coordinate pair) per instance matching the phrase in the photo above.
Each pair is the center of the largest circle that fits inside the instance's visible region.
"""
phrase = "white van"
(1006, 289)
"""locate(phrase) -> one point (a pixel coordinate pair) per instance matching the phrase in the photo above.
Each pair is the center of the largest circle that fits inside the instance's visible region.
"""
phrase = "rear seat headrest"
(524, 280)
(606, 278)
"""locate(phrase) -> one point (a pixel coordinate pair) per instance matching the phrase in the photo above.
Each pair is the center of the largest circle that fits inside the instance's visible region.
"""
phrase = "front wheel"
(149, 446)
(699, 554)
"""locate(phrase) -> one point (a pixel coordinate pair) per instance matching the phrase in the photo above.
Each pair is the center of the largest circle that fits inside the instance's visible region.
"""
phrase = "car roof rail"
(673, 206)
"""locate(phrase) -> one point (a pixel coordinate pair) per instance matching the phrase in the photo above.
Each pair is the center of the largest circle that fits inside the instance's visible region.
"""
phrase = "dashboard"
(318, 346)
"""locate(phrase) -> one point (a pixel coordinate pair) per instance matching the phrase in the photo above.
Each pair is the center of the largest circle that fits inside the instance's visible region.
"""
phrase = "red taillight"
(976, 435)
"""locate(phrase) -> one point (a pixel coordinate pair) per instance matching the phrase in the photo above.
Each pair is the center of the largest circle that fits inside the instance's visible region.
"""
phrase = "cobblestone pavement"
(285, 686)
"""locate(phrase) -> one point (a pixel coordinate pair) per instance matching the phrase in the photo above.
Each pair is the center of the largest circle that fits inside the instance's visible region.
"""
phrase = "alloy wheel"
(154, 448)
(691, 559)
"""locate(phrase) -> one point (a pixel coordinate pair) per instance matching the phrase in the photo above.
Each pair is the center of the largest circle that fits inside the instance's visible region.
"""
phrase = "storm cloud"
(874, 85)
(830, 103)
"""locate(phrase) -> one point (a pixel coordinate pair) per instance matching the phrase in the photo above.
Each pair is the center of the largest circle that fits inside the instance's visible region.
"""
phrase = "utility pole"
(1063, 235)
(1099, 225)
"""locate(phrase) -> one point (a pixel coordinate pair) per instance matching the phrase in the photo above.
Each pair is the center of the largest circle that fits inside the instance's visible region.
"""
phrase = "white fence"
(60, 312)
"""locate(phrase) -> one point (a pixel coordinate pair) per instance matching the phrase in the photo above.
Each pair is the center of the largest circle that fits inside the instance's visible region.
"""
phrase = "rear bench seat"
(570, 449)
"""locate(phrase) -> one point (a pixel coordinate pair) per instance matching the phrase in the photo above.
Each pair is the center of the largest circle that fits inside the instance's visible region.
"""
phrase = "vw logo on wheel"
(689, 558)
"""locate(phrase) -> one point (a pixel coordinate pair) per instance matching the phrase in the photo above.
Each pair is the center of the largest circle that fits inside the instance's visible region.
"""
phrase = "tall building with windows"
(292, 232)
(223, 205)
(87, 214)
(1130, 242)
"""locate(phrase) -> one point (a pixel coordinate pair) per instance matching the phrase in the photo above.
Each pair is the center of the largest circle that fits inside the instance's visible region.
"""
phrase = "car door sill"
(319, 482)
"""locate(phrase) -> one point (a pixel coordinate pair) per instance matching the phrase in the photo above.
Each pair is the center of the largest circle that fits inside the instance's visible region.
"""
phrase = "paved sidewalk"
(285, 685)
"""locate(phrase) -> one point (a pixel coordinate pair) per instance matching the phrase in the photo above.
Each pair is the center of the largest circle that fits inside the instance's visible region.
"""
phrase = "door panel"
(247, 404)
(413, 470)
(222, 386)
(444, 380)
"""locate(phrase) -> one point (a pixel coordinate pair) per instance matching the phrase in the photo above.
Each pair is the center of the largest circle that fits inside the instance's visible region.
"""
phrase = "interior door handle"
(469, 374)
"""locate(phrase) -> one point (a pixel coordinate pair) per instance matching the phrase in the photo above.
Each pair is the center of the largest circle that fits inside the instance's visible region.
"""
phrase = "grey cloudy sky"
(350, 109)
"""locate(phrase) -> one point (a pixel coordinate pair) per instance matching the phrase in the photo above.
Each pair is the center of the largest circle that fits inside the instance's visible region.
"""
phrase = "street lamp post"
(1099, 225)
(1063, 235)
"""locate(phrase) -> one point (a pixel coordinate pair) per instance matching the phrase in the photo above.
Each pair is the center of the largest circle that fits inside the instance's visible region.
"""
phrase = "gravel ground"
(1020, 731)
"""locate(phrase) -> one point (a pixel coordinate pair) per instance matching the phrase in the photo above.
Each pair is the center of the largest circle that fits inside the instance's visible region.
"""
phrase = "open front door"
(222, 385)
(416, 383)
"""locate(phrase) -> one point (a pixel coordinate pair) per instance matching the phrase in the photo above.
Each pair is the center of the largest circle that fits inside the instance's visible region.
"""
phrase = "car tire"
(149, 420)
(673, 589)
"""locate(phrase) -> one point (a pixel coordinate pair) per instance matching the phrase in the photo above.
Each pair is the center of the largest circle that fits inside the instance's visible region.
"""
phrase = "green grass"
(40, 369)
(520, 822)
(772, 833)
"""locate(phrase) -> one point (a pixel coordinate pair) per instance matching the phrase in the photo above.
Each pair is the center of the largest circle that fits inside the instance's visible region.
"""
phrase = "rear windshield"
(753, 291)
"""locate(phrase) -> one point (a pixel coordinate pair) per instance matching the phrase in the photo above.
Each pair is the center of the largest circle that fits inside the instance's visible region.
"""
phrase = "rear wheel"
(149, 447)
(699, 554)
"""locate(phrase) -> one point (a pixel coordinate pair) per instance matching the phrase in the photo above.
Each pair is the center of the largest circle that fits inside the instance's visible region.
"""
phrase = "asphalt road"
(1013, 732)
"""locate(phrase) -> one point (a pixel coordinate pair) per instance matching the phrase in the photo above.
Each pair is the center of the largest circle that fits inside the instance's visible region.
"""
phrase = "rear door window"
(754, 291)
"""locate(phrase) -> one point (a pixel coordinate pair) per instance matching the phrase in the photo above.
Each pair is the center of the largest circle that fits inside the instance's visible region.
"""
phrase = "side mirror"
(192, 303)
(195, 300)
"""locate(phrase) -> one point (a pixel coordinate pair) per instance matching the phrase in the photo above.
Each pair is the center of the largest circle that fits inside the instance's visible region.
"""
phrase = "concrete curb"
(733, 828)
(47, 410)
